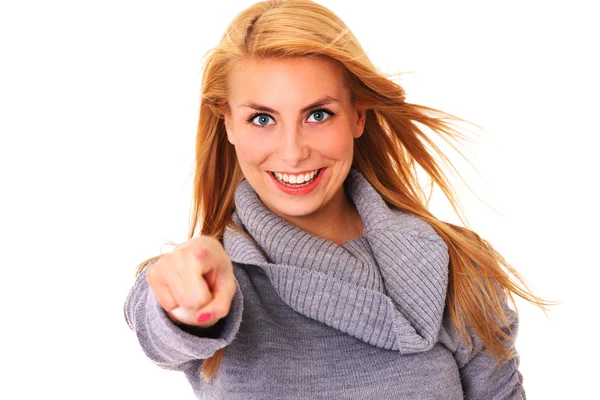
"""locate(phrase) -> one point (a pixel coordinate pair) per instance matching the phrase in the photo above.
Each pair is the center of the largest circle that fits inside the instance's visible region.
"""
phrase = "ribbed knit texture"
(391, 297)
(317, 320)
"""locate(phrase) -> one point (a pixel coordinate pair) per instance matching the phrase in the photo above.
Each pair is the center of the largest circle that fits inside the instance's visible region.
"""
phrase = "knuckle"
(171, 303)
(168, 303)
(151, 269)
(164, 301)
(150, 277)
(200, 300)
(182, 298)
(222, 311)
(185, 302)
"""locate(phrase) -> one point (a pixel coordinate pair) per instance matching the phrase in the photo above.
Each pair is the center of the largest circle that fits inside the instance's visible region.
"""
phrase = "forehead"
(287, 81)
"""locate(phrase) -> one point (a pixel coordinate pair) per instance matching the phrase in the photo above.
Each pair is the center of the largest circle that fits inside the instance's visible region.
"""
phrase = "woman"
(318, 271)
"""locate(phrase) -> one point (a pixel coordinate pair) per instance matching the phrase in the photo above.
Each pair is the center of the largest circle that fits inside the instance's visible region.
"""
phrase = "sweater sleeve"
(173, 346)
(480, 377)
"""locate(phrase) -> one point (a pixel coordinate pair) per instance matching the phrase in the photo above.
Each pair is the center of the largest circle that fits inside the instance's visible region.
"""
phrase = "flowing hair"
(392, 149)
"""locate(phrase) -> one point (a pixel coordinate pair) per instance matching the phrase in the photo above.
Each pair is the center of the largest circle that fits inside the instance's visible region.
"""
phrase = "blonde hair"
(388, 154)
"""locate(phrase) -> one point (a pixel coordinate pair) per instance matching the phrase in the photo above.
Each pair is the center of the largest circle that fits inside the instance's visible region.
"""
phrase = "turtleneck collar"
(387, 288)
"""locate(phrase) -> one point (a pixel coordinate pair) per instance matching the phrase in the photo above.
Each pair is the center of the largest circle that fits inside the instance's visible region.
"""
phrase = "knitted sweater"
(318, 320)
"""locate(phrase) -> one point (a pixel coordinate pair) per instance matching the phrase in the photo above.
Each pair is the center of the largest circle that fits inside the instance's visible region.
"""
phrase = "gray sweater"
(317, 320)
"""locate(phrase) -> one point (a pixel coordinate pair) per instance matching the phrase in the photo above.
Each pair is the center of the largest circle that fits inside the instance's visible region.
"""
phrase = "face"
(287, 120)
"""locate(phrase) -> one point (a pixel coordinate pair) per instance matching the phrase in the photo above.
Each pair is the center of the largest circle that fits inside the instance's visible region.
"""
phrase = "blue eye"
(319, 115)
(261, 119)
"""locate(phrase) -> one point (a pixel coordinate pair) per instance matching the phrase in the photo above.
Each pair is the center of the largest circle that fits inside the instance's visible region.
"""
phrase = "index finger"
(209, 256)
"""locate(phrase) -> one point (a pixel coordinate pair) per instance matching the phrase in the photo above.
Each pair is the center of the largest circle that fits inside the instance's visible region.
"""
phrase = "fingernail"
(203, 317)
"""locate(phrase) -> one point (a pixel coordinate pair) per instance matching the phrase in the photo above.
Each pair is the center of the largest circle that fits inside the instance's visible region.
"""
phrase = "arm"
(169, 345)
(481, 379)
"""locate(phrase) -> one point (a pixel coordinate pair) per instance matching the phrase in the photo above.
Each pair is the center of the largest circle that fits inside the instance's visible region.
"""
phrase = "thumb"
(223, 292)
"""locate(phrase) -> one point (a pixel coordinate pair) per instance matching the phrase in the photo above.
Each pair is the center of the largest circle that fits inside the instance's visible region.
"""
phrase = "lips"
(296, 180)
(296, 189)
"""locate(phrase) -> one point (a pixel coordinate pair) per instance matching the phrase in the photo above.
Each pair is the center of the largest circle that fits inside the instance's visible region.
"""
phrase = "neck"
(337, 221)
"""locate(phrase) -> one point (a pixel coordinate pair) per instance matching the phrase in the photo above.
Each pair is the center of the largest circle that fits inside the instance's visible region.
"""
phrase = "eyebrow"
(321, 102)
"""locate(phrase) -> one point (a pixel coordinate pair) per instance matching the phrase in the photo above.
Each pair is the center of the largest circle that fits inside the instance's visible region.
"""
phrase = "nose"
(293, 148)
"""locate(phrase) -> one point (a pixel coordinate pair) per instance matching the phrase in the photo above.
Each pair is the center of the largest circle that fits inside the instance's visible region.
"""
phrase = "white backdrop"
(98, 111)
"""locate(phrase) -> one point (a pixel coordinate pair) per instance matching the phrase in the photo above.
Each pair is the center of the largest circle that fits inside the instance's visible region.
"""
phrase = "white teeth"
(295, 179)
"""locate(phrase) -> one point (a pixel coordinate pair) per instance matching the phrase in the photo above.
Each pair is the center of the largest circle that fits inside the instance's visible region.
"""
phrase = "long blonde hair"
(389, 153)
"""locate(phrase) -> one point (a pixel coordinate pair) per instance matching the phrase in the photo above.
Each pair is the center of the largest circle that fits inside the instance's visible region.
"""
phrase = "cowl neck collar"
(387, 288)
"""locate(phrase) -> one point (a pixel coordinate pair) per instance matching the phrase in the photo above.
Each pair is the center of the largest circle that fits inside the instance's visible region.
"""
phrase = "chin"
(292, 210)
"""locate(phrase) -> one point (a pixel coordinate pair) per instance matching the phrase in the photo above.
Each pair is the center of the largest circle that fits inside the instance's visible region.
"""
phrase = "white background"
(98, 111)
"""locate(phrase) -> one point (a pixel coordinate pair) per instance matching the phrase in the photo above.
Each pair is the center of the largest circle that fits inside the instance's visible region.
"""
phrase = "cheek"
(251, 150)
(335, 143)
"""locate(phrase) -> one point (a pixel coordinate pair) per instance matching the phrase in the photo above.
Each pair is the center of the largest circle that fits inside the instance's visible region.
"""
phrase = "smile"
(296, 180)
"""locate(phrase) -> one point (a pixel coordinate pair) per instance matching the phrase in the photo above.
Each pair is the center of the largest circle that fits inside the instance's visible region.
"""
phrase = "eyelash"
(249, 120)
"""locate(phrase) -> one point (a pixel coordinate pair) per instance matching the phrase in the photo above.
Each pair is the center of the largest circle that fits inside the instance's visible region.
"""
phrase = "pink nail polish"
(203, 317)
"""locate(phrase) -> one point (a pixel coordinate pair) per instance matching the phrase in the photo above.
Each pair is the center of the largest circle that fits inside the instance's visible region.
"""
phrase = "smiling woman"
(313, 267)
(293, 120)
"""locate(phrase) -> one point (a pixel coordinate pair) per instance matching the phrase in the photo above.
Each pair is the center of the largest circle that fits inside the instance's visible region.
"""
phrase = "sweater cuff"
(184, 339)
